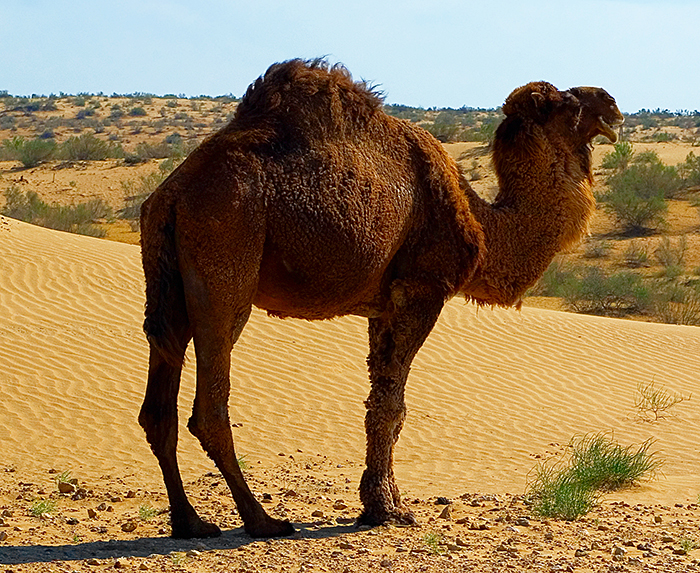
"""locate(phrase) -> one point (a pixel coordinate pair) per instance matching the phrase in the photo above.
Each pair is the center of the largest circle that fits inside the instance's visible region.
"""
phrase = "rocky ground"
(111, 522)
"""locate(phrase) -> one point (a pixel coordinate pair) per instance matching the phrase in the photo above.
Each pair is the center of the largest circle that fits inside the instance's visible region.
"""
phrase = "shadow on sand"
(145, 546)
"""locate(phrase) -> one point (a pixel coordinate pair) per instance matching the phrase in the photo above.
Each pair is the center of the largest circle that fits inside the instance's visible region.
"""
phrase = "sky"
(437, 53)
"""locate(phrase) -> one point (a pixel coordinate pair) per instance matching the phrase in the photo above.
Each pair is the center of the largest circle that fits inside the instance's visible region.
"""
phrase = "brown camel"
(313, 203)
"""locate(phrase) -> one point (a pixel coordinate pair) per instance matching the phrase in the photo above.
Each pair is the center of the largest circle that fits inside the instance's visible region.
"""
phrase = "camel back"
(299, 101)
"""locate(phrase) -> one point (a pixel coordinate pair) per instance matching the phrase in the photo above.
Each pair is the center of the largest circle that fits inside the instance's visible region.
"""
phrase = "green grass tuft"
(595, 464)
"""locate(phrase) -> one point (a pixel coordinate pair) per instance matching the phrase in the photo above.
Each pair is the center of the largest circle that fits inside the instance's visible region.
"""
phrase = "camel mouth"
(608, 129)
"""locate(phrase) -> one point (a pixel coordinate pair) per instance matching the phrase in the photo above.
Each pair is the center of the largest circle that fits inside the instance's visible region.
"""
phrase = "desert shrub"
(136, 192)
(554, 280)
(137, 112)
(689, 171)
(635, 255)
(652, 401)
(567, 488)
(619, 158)
(594, 292)
(670, 255)
(677, 304)
(596, 249)
(85, 147)
(81, 218)
(7, 121)
(36, 151)
(637, 196)
(662, 137)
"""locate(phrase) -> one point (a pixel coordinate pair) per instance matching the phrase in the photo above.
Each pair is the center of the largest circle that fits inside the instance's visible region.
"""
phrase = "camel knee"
(208, 424)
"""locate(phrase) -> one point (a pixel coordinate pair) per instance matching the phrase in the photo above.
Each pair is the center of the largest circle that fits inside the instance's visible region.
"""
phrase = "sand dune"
(488, 391)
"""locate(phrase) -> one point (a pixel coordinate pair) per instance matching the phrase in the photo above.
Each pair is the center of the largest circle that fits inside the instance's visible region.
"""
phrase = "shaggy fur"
(313, 203)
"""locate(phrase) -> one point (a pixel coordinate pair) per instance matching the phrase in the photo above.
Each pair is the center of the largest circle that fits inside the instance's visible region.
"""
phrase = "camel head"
(581, 112)
(599, 113)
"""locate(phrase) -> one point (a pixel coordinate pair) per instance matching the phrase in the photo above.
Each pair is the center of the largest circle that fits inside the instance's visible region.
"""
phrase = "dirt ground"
(113, 523)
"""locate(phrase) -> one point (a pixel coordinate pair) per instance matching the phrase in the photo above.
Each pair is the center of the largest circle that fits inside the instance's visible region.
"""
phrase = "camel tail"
(166, 324)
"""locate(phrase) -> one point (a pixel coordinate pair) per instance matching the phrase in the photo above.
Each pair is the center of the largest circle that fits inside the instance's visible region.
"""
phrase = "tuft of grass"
(146, 512)
(596, 249)
(41, 507)
(64, 477)
(433, 540)
(570, 487)
(652, 401)
(243, 462)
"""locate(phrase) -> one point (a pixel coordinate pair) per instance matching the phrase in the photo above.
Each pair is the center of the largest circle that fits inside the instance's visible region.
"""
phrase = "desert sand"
(491, 393)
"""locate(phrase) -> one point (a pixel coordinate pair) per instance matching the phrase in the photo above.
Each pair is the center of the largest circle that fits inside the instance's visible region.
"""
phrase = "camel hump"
(307, 99)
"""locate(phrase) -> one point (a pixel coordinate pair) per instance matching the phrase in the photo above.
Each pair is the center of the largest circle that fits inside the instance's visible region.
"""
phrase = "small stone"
(667, 539)
(442, 501)
(92, 561)
(453, 547)
(72, 521)
(66, 487)
(116, 499)
(580, 553)
(386, 563)
(290, 493)
(658, 519)
(317, 513)
(345, 545)
(549, 536)
(602, 527)
(3, 535)
(446, 513)
(522, 522)
(102, 507)
(459, 541)
(92, 514)
(119, 564)
(680, 551)
(143, 566)
(339, 505)
(129, 526)
(619, 551)
(6, 513)
(192, 553)
(130, 494)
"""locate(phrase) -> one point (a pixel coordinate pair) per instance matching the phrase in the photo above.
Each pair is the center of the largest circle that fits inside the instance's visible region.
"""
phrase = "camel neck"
(528, 223)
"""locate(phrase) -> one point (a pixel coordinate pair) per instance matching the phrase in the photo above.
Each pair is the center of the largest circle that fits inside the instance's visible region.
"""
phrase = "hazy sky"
(422, 53)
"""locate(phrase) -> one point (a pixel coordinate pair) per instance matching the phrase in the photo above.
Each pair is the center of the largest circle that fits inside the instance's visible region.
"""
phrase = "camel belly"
(320, 289)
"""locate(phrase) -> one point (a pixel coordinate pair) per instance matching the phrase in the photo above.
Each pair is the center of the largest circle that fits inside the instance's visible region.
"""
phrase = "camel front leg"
(394, 340)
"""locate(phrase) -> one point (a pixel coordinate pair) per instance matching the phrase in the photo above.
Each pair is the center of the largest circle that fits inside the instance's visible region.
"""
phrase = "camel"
(313, 203)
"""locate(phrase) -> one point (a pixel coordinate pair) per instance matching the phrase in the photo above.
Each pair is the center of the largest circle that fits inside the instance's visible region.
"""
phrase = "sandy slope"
(489, 391)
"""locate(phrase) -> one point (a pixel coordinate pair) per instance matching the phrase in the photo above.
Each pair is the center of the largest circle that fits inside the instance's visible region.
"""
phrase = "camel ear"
(538, 98)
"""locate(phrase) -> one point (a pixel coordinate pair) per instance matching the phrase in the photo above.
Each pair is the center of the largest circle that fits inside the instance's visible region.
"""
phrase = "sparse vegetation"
(41, 507)
(653, 402)
(567, 488)
(432, 540)
(81, 218)
(592, 291)
(146, 512)
(619, 158)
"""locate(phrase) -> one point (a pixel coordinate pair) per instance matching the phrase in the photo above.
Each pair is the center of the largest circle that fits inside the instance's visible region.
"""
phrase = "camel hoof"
(270, 528)
(405, 518)
(199, 528)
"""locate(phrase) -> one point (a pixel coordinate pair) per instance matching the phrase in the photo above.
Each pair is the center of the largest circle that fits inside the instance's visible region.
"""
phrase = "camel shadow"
(145, 546)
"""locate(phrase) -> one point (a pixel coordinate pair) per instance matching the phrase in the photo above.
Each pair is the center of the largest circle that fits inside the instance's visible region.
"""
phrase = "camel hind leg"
(394, 339)
(219, 316)
(158, 417)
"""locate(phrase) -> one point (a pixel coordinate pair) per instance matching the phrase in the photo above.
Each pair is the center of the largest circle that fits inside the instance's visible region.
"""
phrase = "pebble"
(446, 513)
(92, 561)
(317, 513)
(92, 514)
(129, 526)
(66, 487)
(3, 535)
(442, 501)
